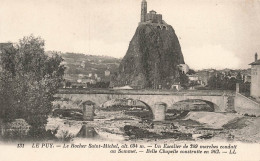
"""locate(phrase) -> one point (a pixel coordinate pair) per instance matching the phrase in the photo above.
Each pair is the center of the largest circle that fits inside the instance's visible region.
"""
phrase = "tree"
(225, 82)
(239, 78)
(67, 84)
(193, 83)
(232, 84)
(212, 83)
(191, 71)
(221, 81)
(216, 81)
(184, 80)
(28, 83)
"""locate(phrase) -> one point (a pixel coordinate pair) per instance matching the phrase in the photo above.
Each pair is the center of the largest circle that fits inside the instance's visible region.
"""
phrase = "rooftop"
(256, 62)
(152, 11)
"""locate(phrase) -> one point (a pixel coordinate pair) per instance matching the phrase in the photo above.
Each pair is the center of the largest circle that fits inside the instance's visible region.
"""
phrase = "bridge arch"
(129, 103)
(212, 106)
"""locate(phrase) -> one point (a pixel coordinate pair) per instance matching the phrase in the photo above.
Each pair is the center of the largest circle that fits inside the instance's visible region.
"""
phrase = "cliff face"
(151, 59)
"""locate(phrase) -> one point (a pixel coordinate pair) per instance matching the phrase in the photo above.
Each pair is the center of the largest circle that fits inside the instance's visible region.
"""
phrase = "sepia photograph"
(129, 79)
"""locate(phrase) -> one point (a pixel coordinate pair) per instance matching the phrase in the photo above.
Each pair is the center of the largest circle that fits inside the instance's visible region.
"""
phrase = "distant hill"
(83, 66)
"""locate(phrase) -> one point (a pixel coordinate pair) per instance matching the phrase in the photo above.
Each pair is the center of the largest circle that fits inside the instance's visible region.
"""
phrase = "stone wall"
(244, 105)
(155, 18)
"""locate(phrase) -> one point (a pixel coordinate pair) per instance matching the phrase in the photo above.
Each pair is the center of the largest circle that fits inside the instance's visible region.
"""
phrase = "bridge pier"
(159, 111)
(88, 110)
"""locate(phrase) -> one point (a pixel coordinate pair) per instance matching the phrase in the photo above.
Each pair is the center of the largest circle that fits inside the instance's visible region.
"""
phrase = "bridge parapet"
(245, 105)
(147, 92)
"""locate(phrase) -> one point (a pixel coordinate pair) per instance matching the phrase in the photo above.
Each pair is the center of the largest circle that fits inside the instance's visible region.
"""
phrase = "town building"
(80, 75)
(176, 86)
(98, 79)
(83, 64)
(255, 78)
(153, 17)
(184, 68)
(79, 80)
(79, 85)
(93, 81)
(107, 73)
(193, 77)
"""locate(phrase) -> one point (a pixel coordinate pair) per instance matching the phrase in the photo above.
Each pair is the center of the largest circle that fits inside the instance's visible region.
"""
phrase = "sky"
(212, 33)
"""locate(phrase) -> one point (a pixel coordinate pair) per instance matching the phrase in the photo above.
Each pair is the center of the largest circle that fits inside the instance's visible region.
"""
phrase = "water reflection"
(87, 132)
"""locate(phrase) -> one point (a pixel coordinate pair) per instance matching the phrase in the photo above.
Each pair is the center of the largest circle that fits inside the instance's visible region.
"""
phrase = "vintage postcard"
(129, 80)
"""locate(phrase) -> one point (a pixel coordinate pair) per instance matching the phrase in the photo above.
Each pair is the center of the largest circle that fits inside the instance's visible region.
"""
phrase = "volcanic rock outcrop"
(153, 55)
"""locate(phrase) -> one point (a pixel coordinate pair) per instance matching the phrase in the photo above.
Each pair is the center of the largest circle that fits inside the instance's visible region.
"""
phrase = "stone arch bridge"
(158, 102)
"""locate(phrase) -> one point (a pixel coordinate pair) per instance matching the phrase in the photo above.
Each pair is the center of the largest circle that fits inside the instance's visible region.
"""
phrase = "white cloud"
(210, 56)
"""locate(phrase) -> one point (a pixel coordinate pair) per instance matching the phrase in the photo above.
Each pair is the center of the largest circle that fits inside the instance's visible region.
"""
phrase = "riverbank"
(195, 126)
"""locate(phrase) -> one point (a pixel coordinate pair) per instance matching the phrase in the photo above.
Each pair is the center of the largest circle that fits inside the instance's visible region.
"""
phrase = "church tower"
(143, 10)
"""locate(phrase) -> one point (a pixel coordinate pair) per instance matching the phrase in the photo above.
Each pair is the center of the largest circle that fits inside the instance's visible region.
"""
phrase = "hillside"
(81, 66)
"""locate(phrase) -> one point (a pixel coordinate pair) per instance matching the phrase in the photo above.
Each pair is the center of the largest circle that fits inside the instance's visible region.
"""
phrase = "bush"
(14, 135)
(66, 136)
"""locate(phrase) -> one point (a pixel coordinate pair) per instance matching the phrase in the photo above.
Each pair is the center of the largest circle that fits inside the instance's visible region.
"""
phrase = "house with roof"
(184, 68)
(255, 78)
(107, 73)
(193, 77)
